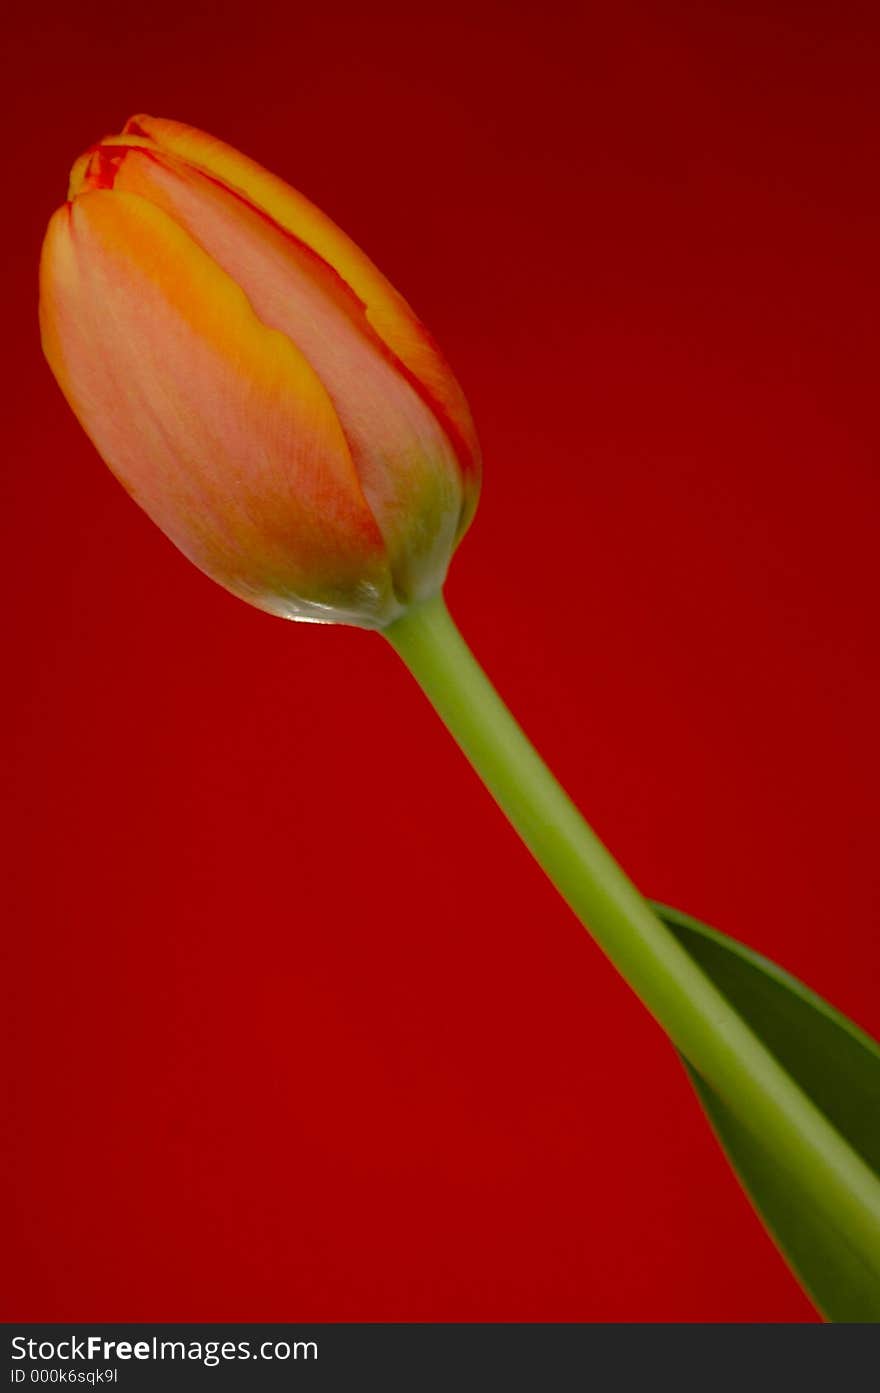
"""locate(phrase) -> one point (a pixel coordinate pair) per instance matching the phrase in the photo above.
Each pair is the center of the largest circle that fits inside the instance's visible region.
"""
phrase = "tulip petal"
(405, 462)
(214, 422)
(387, 311)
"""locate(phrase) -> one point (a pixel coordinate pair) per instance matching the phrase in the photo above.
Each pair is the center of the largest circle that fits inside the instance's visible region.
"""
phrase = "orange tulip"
(254, 381)
(276, 408)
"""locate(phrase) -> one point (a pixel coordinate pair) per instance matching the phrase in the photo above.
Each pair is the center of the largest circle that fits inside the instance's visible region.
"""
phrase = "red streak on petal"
(104, 164)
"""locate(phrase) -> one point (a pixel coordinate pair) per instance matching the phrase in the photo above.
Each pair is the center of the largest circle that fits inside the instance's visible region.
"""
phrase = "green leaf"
(838, 1067)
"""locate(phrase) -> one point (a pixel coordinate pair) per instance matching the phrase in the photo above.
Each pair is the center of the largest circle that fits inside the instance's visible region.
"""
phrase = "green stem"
(696, 1016)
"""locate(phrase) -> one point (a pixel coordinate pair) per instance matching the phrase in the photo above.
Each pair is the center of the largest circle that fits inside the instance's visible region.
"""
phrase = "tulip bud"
(253, 381)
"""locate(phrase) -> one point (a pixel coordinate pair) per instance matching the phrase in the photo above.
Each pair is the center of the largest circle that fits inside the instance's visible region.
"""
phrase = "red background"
(296, 1028)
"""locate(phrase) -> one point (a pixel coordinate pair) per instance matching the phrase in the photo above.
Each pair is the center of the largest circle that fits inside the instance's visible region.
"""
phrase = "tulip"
(253, 381)
(274, 405)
